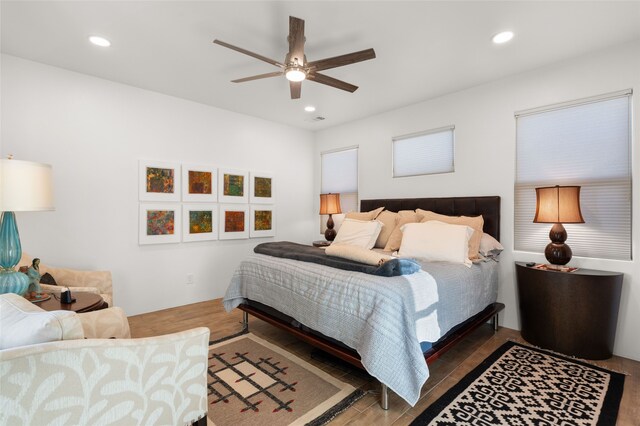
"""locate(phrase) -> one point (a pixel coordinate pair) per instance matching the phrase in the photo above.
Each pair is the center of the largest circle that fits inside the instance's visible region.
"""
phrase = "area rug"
(253, 382)
(521, 385)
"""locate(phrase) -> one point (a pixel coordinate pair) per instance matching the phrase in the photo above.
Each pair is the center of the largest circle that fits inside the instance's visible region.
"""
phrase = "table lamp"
(24, 186)
(330, 204)
(558, 205)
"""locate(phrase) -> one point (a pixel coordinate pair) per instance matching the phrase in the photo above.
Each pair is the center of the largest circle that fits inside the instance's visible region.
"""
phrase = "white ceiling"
(424, 49)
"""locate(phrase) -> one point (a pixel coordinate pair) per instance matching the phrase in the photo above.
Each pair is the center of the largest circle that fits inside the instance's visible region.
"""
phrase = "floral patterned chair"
(98, 379)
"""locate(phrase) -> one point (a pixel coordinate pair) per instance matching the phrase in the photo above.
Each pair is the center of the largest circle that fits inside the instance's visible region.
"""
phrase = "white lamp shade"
(25, 186)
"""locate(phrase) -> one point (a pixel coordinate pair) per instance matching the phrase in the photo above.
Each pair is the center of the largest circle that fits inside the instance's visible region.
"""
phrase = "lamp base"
(13, 282)
(557, 252)
(330, 233)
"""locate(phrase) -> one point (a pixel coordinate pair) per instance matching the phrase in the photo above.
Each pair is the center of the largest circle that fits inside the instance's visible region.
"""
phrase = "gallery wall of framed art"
(186, 202)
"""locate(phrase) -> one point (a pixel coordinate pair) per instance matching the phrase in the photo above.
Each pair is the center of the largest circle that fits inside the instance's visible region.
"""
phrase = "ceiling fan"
(295, 66)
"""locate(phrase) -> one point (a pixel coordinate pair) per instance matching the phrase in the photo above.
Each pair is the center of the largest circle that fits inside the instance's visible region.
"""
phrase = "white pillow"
(489, 246)
(436, 241)
(361, 233)
(23, 323)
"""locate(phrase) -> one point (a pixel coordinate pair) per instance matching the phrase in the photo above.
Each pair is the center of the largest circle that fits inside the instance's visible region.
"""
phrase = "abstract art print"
(234, 222)
(159, 181)
(262, 188)
(159, 223)
(200, 222)
(199, 183)
(233, 186)
(262, 222)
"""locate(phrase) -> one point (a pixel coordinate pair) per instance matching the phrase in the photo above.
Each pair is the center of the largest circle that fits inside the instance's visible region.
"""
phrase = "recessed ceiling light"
(100, 41)
(309, 108)
(502, 37)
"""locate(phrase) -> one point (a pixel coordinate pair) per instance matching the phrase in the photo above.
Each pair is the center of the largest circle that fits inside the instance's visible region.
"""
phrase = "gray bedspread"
(382, 318)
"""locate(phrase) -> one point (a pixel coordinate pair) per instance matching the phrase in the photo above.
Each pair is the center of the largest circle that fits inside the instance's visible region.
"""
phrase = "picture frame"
(200, 222)
(233, 186)
(199, 183)
(159, 181)
(261, 188)
(262, 221)
(233, 225)
(160, 223)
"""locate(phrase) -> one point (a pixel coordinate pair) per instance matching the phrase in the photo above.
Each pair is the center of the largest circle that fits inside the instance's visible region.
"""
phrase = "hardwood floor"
(444, 373)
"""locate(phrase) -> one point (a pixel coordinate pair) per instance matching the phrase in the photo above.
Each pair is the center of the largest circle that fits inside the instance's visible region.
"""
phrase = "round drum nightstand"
(575, 313)
(321, 243)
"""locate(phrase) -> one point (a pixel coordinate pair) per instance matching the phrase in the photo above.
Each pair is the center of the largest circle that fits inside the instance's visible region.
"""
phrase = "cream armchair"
(98, 282)
(97, 381)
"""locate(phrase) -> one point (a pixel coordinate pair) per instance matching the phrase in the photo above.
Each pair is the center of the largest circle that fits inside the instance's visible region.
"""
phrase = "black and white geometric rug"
(520, 385)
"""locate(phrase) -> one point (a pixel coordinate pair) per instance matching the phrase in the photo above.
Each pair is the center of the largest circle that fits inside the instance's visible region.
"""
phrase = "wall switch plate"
(189, 279)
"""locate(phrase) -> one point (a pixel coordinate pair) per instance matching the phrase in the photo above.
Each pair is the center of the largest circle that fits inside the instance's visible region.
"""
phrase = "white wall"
(94, 132)
(485, 157)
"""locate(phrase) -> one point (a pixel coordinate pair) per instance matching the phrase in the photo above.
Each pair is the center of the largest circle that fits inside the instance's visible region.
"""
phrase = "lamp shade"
(558, 204)
(330, 204)
(25, 186)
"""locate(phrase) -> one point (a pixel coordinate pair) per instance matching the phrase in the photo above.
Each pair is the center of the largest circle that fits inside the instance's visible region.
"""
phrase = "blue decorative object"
(11, 281)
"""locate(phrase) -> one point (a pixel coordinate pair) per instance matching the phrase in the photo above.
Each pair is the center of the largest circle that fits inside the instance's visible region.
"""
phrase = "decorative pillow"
(404, 217)
(389, 221)
(476, 222)
(358, 233)
(489, 246)
(364, 215)
(436, 241)
(23, 323)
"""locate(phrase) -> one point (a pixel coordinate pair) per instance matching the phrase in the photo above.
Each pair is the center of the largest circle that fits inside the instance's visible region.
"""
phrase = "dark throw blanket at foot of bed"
(289, 250)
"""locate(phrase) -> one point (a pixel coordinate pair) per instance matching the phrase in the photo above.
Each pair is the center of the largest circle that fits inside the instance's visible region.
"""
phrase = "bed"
(287, 293)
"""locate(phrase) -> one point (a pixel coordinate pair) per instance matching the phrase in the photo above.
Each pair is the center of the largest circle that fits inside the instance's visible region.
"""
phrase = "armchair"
(98, 282)
(154, 380)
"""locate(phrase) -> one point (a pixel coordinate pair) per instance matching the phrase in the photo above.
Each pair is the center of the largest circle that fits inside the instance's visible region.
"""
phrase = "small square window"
(423, 153)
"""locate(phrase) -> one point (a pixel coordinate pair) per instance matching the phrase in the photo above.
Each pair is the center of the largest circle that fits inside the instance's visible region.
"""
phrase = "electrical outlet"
(189, 279)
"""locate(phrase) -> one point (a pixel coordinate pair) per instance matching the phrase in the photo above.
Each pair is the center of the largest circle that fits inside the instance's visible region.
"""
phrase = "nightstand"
(574, 313)
(321, 243)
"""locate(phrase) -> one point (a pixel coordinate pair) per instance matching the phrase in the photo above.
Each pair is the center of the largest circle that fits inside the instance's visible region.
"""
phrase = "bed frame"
(488, 207)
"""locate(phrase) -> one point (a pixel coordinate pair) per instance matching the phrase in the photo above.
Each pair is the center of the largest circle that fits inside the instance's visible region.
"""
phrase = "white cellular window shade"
(423, 153)
(587, 143)
(340, 175)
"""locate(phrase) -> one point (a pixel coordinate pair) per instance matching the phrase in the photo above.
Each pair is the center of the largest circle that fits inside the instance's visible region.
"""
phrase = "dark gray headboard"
(488, 207)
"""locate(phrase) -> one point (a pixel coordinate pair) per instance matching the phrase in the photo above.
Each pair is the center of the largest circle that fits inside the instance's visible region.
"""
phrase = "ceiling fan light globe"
(295, 74)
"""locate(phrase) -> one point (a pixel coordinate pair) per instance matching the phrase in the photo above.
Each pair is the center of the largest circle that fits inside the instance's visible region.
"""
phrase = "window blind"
(423, 153)
(340, 175)
(587, 143)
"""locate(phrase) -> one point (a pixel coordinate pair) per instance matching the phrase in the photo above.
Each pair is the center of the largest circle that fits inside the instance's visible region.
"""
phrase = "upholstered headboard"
(488, 207)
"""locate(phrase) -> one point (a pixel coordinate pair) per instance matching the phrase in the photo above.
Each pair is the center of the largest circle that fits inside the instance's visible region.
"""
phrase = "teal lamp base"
(11, 281)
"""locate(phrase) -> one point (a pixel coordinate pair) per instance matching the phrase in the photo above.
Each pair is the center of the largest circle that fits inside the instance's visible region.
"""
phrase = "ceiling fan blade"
(338, 61)
(296, 39)
(246, 52)
(258, 77)
(296, 88)
(330, 81)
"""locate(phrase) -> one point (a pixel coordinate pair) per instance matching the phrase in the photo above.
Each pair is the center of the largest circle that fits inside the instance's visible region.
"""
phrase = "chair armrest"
(60, 288)
(105, 324)
(155, 380)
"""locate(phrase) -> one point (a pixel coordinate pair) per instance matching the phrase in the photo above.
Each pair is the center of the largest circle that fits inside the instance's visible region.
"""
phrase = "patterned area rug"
(252, 382)
(521, 385)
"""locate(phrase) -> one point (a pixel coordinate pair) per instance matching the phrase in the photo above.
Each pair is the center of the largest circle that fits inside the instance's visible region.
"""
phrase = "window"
(423, 153)
(584, 143)
(340, 175)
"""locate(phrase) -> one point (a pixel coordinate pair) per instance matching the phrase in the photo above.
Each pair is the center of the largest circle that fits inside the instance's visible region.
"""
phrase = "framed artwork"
(159, 223)
(200, 222)
(234, 222)
(261, 188)
(233, 186)
(159, 181)
(199, 183)
(262, 222)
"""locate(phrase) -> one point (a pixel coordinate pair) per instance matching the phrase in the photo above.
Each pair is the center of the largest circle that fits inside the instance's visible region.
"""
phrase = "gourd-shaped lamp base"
(11, 281)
